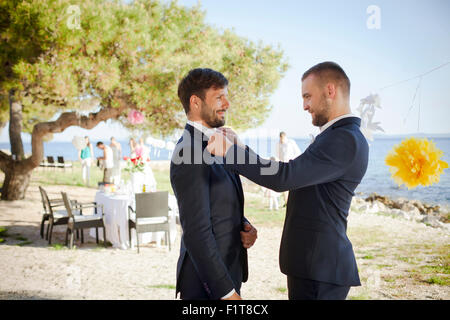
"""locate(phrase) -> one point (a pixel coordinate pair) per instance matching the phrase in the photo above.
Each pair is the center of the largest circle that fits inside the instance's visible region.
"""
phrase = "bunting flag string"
(368, 104)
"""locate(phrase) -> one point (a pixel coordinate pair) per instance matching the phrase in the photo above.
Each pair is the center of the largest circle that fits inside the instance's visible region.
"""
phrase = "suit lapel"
(237, 182)
(196, 134)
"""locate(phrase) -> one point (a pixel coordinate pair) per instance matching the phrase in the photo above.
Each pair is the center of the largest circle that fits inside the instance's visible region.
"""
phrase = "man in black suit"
(213, 254)
(315, 253)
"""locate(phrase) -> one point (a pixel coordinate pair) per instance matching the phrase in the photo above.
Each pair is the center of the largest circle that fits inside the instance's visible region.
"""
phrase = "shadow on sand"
(28, 235)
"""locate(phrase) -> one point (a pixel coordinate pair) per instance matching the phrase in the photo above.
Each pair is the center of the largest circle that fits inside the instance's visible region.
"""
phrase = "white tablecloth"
(116, 219)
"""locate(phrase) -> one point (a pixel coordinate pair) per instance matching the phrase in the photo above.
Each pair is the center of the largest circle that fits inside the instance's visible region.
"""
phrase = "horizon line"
(379, 136)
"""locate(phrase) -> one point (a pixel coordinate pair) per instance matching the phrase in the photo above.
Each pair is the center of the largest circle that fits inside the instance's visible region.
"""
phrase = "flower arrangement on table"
(134, 164)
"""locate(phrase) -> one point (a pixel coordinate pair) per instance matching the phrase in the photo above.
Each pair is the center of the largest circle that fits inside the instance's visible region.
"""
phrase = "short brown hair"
(197, 82)
(330, 71)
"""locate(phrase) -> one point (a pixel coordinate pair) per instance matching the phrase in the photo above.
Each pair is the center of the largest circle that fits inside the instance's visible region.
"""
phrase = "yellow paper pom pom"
(416, 162)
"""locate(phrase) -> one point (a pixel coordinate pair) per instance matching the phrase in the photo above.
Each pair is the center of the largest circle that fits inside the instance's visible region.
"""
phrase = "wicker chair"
(80, 222)
(52, 214)
(151, 215)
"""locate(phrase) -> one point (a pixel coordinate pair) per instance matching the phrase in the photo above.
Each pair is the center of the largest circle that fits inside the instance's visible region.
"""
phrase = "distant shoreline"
(377, 179)
(376, 136)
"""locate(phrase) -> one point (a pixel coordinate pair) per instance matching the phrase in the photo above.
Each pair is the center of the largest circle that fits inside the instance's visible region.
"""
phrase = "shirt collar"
(206, 131)
(330, 123)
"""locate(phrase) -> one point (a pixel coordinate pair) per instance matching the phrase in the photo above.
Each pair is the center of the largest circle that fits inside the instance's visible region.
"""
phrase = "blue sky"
(413, 38)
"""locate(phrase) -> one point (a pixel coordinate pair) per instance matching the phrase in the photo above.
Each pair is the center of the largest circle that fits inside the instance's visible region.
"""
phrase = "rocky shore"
(412, 210)
(397, 258)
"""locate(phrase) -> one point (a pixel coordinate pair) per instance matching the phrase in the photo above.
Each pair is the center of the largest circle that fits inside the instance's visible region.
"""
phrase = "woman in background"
(144, 150)
(117, 155)
(139, 149)
(132, 144)
(85, 156)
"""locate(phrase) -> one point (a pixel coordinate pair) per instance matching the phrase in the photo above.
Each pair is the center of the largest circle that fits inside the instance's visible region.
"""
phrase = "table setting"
(115, 200)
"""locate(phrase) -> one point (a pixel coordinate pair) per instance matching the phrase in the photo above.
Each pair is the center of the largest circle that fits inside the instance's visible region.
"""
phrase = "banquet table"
(115, 208)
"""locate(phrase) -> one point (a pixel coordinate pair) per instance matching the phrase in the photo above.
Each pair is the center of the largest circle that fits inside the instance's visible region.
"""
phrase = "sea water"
(377, 179)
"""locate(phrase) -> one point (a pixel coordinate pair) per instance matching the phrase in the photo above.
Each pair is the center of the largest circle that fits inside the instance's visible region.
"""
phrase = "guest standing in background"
(132, 144)
(138, 149)
(108, 161)
(85, 156)
(117, 155)
(150, 180)
(273, 198)
(287, 150)
(145, 153)
(272, 195)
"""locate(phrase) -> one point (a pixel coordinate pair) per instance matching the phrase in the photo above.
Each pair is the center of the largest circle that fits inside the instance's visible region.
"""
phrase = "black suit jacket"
(321, 181)
(211, 207)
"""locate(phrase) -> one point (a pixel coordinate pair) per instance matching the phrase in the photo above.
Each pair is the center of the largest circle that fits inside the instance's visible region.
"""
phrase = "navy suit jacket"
(211, 207)
(321, 181)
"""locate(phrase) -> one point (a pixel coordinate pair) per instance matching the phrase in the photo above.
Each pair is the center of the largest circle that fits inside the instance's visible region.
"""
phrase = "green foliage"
(442, 281)
(445, 269)
(57, 246)
(133, 54)
(24, 243)
(384, 266)
(362, 296)
(68, 177)
(256, 210)
(162, 286)
(282, 289)
(3, 232)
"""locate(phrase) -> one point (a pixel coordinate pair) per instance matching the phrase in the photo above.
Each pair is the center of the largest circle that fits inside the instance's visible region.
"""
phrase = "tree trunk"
(16, 183)
(15, 127)
(17, 169)
(17, 177)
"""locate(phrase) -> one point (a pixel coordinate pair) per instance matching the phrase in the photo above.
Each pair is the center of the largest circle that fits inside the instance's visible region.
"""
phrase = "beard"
(209, 115)
(322, 113)
(320, 120)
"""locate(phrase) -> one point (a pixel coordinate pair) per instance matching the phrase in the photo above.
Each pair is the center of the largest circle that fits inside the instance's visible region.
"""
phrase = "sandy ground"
(40, 271)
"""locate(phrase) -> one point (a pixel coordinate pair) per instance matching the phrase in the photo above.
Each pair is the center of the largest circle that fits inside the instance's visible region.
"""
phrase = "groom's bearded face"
(315, 100)
(214, 107)
(322, 110)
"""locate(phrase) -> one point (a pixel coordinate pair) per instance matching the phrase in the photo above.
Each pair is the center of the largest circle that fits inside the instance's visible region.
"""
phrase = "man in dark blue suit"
(216, 235)
(315, 253)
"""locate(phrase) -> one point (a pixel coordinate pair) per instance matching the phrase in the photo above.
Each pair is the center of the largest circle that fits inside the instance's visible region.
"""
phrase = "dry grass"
(397, 259)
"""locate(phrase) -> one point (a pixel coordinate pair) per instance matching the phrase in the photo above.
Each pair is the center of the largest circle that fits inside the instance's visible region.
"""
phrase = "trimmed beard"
(321, 118)
(210, 117)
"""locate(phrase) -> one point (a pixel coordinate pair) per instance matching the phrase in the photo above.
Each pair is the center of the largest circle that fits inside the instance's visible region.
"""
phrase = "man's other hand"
(249, 235)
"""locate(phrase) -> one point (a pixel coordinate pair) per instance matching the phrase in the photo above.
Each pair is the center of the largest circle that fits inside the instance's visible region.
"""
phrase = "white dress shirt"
(109, 161)
(330, 123)
(205, 130)
(208, 132)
